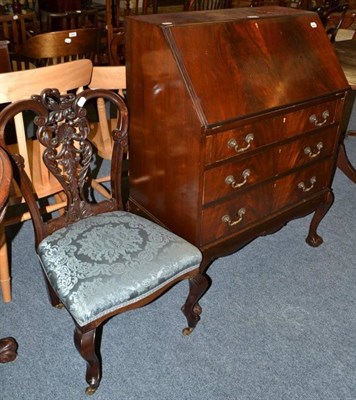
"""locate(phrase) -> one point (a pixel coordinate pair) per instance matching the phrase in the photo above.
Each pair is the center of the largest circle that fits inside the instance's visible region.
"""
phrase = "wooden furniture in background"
(18, 28)
(116, 11)
(8, 346)
(5, 65)
(66, 77)
(59, 5)
(117, 47)
(234, 122)
(195, 5)
(87, 18)
(346, 53)
(332, 18)
(61, 46)
(99, 260)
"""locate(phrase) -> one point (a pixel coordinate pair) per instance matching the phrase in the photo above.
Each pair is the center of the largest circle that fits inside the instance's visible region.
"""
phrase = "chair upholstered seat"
(96, 271)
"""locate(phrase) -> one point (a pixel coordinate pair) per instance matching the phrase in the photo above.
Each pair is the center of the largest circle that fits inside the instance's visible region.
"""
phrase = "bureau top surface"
(242, 61)
(211, 16)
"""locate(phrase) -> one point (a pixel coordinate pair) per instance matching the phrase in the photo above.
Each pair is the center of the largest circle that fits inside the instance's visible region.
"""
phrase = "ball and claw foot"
(314, 240)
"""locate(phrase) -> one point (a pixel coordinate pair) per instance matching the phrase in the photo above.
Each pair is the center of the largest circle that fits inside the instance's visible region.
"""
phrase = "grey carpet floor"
(278, 323)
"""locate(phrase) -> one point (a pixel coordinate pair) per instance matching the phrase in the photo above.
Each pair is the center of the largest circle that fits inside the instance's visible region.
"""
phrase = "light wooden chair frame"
(111, 78)
(18, 86)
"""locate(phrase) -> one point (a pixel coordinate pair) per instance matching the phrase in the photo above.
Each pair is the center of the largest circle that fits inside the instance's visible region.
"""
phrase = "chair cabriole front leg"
(85, 342)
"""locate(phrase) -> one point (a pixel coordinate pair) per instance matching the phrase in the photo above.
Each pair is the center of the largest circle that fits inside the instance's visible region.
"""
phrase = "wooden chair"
(117, 47)
(61, 46)
(16, 86)
(332, 18)
(116, 11)
(86, 18)
(18, 28)
(98, 259)
(110, 78)
(196, 5)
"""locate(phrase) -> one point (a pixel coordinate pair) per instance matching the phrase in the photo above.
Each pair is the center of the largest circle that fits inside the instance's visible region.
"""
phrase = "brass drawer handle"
(227, 220)
(301, 185)
(313, 119)
(230, 180)
(308, 151)
(232, 143)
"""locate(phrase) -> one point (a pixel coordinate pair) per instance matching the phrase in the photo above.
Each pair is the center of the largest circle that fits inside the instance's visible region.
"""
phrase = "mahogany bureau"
(234, 122)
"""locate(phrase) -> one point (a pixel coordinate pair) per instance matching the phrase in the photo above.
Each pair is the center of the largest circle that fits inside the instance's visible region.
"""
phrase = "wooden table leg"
(8, 350)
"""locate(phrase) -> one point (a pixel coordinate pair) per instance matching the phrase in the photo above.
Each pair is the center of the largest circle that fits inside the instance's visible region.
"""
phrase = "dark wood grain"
(5, 180)
(8, 346)
(198, 80)
(5, 65)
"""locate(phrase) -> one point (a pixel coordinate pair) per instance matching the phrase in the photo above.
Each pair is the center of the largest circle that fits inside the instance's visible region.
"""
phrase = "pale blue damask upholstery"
(103, 263)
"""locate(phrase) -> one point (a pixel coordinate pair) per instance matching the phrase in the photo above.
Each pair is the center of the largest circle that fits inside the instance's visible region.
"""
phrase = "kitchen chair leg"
(4, 268)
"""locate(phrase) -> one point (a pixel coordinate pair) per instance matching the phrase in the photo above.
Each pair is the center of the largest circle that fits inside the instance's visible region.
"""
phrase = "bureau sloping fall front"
(234, 122)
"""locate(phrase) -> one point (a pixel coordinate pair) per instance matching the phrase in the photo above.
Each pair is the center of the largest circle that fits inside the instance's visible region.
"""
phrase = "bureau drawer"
(240, 174)
(265, 199)
(265, 131)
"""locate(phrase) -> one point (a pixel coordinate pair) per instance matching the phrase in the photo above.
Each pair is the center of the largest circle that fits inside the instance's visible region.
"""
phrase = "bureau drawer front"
(234, 142)
(266, 199)
(234, 177)
(231, 178)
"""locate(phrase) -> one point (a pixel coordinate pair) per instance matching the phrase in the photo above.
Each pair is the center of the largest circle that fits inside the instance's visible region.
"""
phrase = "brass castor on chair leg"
(90, 390)
(187, 331)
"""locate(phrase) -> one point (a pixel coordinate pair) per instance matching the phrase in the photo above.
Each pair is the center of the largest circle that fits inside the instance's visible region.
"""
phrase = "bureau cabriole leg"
(313, 239)
(345, 165)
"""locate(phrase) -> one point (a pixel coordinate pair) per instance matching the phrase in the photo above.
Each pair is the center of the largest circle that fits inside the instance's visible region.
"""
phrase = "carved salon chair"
(98, 259)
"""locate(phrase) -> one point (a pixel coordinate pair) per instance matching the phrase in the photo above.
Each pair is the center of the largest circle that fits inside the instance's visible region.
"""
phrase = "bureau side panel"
(164, 133)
